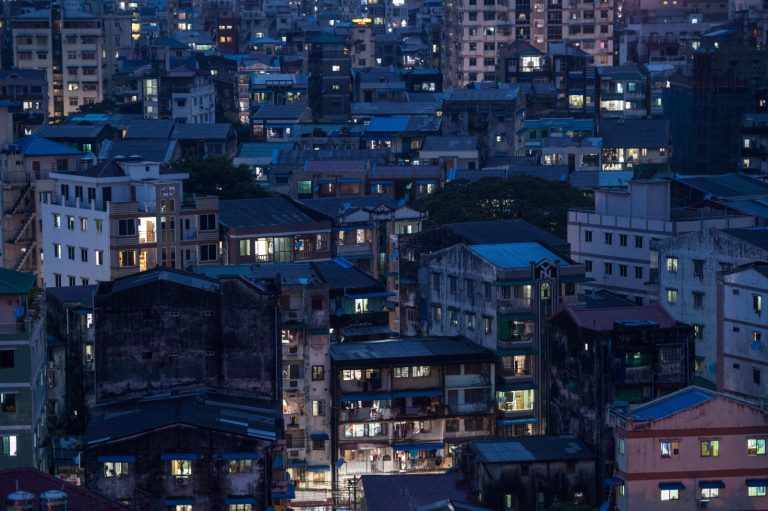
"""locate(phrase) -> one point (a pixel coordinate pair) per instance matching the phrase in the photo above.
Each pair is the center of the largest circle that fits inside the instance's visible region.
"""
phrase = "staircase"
(25, 192)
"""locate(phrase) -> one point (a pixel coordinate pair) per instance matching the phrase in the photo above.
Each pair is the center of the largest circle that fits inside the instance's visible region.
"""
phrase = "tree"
(538, 201)
(218, 176)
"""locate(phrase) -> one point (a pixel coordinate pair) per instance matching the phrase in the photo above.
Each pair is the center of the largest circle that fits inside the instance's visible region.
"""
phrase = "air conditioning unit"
(51, 366)
(293, 384)
(703, 504)
(182, 481)
(294, 453)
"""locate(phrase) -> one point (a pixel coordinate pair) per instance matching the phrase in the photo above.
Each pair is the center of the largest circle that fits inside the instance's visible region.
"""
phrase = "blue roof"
(516, 255)
(39, 146)
(388, 124)
(567, 123)
(672, 404)
(263, 149)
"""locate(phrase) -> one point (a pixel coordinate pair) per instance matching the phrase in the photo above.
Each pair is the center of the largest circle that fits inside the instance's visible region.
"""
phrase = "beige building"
(69, 46)
(475, 30)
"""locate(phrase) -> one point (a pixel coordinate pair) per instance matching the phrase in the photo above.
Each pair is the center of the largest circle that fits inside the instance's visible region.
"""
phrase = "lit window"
(756, 446)
(671, 296)
(757, 303)
(710, 448)
(710, 493)
(10, 447)
(116, 469)
(335, 68)
(669, 448)
(672, 264)
(181, 467)
(755, 491)
(670, 495)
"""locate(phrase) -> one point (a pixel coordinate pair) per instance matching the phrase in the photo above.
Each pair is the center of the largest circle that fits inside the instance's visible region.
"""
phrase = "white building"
(687, 287)
(117, 218)
(69, 45)
(614, 240)
(742, 354)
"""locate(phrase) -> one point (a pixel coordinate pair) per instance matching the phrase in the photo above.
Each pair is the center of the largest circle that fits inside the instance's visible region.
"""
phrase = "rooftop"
(390, 351)
(450, 143)
(340, 274)
(516, 255)
(291, 111)
(34, 145)
(336, 165)
(267, 211)
(726, 185)
(159, 149)
(156, 275)
(15, 282)
(407, 492)
(337, 206)
(600, 319)
(757, 236)
(146, 128)
(82, 295)
(209, 411)
(70, 131)
(36, 482)
(406, 123)
(525, 449)
(204, 132)
(504, 231)
(486, 94)
(263, 149)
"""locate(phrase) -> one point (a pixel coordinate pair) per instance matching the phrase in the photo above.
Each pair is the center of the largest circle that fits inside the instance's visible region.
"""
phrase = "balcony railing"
(14, 330)
(640, 374)
(513, 305)
(514, 341)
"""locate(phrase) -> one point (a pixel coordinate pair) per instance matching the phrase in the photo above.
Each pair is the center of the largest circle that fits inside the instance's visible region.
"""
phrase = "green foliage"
(538, 201)
(218, 176)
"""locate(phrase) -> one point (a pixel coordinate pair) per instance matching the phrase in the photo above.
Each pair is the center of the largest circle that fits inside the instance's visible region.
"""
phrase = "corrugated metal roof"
(516, 255)
(504, 231)
(653, 133)
(262, 150)
(267, 211)
(726, 185)
(409, 491)
(671, 404)
(15, 282)
(423, 348)
(531, 448)
(164, 274)
(603, 319)
(33, 145)
(388, 124)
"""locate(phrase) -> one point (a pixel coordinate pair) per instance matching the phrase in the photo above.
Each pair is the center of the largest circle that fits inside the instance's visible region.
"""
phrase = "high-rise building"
(474, 33)
(69, 45)
(330, 81)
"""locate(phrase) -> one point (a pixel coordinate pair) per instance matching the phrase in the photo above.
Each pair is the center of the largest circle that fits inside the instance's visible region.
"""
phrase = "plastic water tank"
(53, 500)
(20, 501)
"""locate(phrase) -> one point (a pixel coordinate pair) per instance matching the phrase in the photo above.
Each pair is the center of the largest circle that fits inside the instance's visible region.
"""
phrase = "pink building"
(692, 449)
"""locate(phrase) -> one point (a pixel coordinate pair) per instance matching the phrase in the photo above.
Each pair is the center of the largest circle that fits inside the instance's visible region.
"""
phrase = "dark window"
(126, 227)
(208, 222)
(207, 252)
(608, 238)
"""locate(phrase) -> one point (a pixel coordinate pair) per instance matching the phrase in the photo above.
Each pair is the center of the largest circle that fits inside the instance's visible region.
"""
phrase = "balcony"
(670, 373)
(354, 249)
(483, 408)
(514, 305)
(294, 385)
(640, 374)
(293, 351)
(18, 330)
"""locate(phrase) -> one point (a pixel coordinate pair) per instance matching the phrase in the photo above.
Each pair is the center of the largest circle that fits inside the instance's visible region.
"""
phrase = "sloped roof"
(22, 74)
(157, 275)
(757, 236)
(291, 111)
(671, 404)
(503, 231)
(15, 282)
(255, 418)
(726, 185)
(262, 149)
(70, 131)
(408, 491)
(531, 448)
(146, 128)
(34, 481)
(80, 294)
(154, 149)
(339, 273)
(336, 165)
(104, 169)
(603, 319)
(450, 143)
(33, 145)
(516, 255)
(413, 349)
(433, 172)
(486, 94)
(168, 42)
(267, 211)
(336, 206)
(206, 132)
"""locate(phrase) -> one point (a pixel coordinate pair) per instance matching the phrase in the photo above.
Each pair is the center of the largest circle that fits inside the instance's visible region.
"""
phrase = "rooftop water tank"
(53, 500)
(20, 501)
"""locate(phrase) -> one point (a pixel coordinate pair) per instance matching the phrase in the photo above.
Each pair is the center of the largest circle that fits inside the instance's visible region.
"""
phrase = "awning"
(613, 481)
(340, 462)
(319, 468)
(326, 181)
(711, 484)
(512, 422)
(239, 500)
(277, 462)
(381, 182)
(426, 181)
(240, 456)
(520, 316)
(188, 456)
(514, 282)
(424, 446)
(319, 437)
(179, 501)
(418, 393)
(117, 459)
(371, 294)
(676, 485)
(297, 463)
(365, 396)
(752, 483)
(349, 180)
(407, 280)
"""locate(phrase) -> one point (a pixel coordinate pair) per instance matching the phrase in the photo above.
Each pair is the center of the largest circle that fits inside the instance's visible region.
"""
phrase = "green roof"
(15, 282)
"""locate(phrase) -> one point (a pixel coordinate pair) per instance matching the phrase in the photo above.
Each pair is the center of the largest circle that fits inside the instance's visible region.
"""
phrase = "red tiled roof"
(603, 319)
(36, 482)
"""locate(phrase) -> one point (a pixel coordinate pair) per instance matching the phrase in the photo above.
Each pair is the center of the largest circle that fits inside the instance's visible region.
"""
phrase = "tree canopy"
(538, 201)
(218, 176)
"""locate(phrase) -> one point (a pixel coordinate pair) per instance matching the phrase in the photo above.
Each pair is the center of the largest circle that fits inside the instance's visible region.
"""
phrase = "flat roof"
(516, 255)
(423, 349)
(530, 448)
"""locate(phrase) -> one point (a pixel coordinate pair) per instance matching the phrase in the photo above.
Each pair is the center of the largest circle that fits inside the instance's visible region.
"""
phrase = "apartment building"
(662, 462)
(23, 427)
(119, 217)
(614, 241)
(754, 143)
(179, 348)
(607, 351)
(499, 296)
(403, 405)
(474, 33)
(24, 163)
(742, 364)
(27, 87)
(69, 46)
(686, 266)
